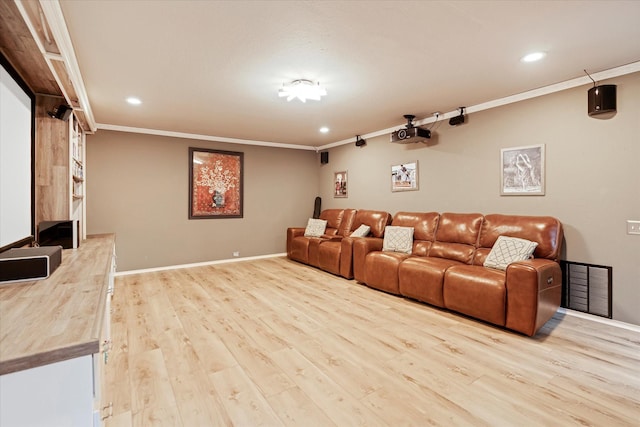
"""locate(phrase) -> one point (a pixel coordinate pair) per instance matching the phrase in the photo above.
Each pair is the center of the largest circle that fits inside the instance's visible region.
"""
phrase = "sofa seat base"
(422, 278)
(329, 256)
(477, 291)
(299, 249)
(381, 270)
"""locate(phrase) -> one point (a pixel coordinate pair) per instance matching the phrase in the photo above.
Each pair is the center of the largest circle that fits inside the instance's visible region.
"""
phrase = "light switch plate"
(633, 227)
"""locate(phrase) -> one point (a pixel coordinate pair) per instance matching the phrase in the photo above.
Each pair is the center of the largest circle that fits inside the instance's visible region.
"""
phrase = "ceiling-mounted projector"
(411, 134)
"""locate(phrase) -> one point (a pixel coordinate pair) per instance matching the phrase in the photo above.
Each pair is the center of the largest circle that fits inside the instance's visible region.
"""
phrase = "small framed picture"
(522, 171)
(404, 177)
(340, 188)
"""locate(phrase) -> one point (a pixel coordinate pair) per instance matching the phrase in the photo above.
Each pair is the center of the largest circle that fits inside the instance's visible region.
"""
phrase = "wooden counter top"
(59, 318)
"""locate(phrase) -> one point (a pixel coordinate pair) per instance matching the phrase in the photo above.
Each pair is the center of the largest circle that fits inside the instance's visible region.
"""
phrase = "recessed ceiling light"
(133, 100)
(324, 129)
(533, 57)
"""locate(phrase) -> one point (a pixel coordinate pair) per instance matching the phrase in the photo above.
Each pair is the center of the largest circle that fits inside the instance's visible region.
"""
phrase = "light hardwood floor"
(273, 342)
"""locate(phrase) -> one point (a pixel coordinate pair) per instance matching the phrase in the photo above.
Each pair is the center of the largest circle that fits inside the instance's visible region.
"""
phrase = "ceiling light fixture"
(303, 90)
(133, 100)
(324, 129)
(533, 57)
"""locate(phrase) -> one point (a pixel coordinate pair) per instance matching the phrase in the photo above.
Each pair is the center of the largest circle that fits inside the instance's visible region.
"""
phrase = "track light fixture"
(360, 142)
(457, 120)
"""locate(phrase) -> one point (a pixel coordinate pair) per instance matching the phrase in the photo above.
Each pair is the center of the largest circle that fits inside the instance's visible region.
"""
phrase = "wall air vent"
(587, 288)
(410, 134)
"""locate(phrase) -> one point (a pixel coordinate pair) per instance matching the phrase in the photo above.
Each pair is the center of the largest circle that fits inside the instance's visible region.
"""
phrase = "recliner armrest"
(361, 247)
(331, 238)
(293, 232)
(534, 292)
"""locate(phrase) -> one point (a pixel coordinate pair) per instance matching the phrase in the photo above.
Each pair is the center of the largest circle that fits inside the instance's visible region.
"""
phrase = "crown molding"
(184, 135)
(545, 90)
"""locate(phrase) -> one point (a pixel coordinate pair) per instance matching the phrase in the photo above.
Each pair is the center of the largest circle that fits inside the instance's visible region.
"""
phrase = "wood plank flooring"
(276, 343)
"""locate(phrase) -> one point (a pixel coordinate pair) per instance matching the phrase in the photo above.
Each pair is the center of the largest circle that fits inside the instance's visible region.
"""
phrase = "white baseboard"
(598, 319)
(197, 264)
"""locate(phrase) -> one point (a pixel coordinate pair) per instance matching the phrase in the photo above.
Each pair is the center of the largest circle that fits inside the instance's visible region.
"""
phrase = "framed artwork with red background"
(215, 183)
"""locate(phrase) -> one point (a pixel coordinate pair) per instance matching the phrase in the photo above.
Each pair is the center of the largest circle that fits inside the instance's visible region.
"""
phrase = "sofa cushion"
(423, 278)
(507, 250)
(424, 223)
(545, 230)
(459, 228)
(457, 236)
(377, 220)
(362, 231)
(381, 270)
(424, 229)
(329, 256)
(477, 291)
(398, 239)
(315, 227)
(333, 217)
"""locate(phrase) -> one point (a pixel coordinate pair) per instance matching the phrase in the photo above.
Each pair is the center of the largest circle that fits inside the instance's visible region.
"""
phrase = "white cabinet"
(55, 380)
(58, 394)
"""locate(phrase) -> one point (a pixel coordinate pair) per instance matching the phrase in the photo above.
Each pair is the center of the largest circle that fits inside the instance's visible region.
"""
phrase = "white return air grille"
(587, 288)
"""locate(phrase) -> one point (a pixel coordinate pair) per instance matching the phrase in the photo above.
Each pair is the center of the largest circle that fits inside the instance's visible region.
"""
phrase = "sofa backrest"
(545, 230)
(424, 229)
(377, 220)
(339, 221)
(457, 236)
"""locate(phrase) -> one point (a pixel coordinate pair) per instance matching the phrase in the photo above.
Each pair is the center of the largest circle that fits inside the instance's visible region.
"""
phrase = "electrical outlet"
(236, 253)
(633, 227)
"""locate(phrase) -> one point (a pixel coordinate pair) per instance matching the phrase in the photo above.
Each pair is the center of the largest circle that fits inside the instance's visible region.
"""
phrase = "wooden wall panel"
(18, 46)
(52, 162)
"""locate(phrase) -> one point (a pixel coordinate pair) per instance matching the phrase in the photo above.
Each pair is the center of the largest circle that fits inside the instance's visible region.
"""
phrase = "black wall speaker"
(324, 157)
(602, 99)
(63, 112)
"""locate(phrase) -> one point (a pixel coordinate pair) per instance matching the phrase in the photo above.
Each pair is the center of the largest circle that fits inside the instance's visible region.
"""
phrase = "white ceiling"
(214, 67)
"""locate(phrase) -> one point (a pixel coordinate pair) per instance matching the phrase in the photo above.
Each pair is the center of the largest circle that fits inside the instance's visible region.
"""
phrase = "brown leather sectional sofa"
(332, 252)
(445, 267)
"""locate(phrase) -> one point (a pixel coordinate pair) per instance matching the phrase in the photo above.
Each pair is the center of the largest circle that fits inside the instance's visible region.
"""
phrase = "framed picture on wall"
(215, 183)
(340, 188)
(522, 171)
(404, 176)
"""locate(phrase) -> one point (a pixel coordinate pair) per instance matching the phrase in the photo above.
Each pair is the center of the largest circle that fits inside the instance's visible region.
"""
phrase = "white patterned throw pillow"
(315, 227)
(507, 250)
(362, 231)
(398, 239)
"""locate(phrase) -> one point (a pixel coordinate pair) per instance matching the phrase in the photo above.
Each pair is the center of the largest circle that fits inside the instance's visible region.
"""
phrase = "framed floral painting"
(215, 183)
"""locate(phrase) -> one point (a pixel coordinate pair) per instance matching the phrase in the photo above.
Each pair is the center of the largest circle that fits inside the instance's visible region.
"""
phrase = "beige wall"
(137, 187)
(592, 176)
